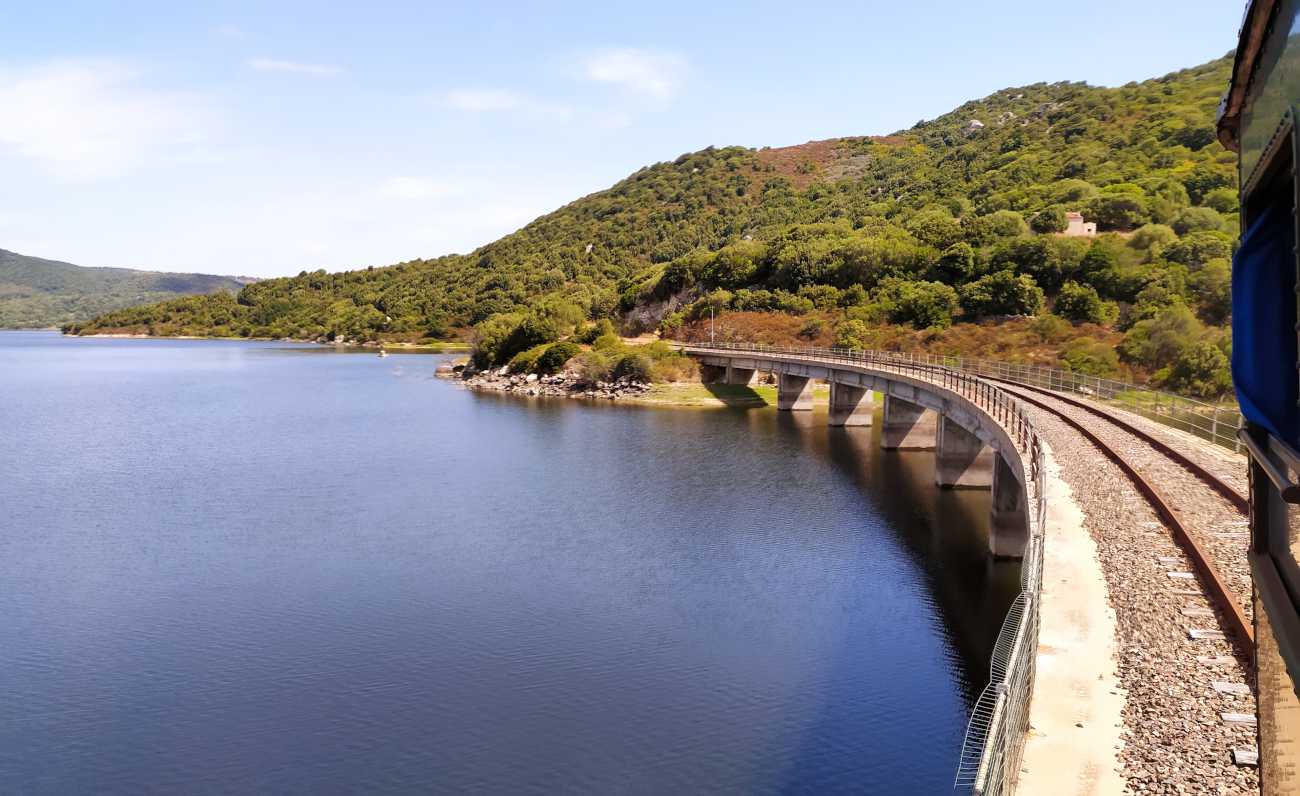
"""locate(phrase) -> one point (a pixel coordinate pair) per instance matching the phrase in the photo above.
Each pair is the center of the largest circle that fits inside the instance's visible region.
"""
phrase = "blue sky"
(269, 138)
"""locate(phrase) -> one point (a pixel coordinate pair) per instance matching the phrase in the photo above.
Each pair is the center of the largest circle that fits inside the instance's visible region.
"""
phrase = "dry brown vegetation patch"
(1019, 340)
(829, 159)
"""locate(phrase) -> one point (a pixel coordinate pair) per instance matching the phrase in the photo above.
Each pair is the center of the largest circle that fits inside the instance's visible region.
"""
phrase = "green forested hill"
(40, 293)
(953, 220)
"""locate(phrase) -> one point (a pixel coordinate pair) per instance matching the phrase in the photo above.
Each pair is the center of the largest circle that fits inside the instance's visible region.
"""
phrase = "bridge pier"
(712, 374)
(850, 406)
(741, 376)
(961, 459)
(907, 426)
(1009, 520)
(794, 393)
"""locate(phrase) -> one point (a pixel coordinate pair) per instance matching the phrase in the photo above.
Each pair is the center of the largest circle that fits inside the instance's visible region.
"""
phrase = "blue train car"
(1259, 120)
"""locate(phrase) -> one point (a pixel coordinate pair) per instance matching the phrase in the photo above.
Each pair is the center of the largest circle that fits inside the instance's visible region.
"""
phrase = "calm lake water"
(236, 567)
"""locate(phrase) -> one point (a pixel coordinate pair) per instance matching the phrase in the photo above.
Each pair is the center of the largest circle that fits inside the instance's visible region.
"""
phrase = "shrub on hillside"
(1159, 340)
(598, 329)
(607, 342)
(853, 335)
(1049, 219)
(1034, 256)
(1200, 369)
(1198, 248)
(593, 366)
(1212, 286)
(1224, 200)
(1152, 239)
(526, 361)
(1002, 293)
(812, 329)
(490, 338)
(923, 305)
(497, 339)
(1197, 219)
(853, 296)
(674, 368)
(1081, 304)
(956, 265)
(1051, 328)
(555, 357)
(635, 366)
(823, 297)
(935, 226)
(1091, 357)
(1122, 210)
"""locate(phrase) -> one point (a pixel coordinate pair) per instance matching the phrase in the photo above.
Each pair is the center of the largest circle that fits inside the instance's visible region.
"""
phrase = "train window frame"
(1273, 462)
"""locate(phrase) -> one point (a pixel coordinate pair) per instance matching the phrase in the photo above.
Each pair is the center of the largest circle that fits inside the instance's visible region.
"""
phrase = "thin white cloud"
(414, 188)
(653, 73)
(228, 31)
(293, 67)
(94, 119)
(503, 101)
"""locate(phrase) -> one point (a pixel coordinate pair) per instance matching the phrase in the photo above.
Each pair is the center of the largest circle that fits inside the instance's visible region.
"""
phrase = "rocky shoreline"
(566, 385)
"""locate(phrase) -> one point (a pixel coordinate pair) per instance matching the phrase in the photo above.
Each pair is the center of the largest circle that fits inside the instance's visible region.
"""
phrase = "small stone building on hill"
(1076, 227)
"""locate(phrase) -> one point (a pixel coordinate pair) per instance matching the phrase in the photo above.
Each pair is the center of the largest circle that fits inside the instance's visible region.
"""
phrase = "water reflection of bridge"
(958, 418)
(944, 532)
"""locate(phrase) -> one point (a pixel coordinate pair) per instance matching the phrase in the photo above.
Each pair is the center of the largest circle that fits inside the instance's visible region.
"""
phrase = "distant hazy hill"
(41, 293)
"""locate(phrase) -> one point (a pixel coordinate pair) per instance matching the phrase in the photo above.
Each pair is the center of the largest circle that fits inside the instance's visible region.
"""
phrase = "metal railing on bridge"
(1217, 423)
(995, 734)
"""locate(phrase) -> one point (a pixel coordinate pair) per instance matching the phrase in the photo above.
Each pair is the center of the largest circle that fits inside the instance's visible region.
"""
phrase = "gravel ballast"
(1176, 737)
(1219, 527)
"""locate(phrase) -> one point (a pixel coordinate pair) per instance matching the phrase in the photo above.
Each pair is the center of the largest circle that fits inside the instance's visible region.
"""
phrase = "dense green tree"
(1213, 289)
(1197, 219)
(1119, 211)
(1090, 357)
(1163, 337)
(958, 263)
(1223, 199)
(852, 334)
(922, 305)
(1198, 248)
(934, 226)
(1032, 255)
(1081, 304)
(1151, 239)
(1200, 368)
(1002, 293)
(1049, 219)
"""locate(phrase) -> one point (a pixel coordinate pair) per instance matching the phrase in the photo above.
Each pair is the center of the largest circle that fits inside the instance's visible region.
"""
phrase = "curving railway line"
(1209, 525)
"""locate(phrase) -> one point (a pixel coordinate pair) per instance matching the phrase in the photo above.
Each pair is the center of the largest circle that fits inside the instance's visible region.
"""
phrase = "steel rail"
(1219, 591)
(1225, 489)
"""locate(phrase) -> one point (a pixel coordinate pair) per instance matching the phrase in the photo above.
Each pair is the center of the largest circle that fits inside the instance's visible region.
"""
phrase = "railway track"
(1219, 558)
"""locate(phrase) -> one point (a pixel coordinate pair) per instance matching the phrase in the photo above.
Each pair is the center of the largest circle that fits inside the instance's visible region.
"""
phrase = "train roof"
(1250, 45)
